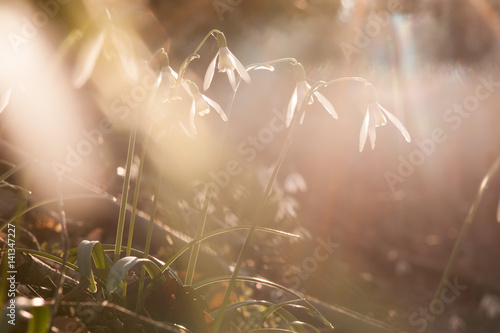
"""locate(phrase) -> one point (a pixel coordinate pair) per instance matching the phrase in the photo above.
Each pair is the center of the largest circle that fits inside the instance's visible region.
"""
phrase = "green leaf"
(41, 320)
(270, 309)
(35, 310)
(122, 266)
(88, 250)
(309, 306)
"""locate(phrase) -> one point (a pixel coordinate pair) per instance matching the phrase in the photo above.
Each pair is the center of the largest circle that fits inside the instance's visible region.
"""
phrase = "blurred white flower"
(287, 206)
(294, 182)
(490, 304)
(166, 79)
(227, 63)
(498, 212)
(93, 47)
(457, 324)
(299, 94)
(375, 117)
(201, 104)
(4, 99)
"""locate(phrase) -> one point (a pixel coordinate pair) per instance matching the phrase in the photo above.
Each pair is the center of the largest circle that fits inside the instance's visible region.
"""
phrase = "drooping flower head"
(227, 63)
(376, 116)
(201, 104)
(111, 40)
(166, 77)
(299, 94)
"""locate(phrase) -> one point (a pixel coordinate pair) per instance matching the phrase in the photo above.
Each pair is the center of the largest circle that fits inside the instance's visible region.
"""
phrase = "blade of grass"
(465, 227)
(152, 218)
(193, 257)
(136, 190)
(258, 213)
(220, 232)
(126, 184)
(265, 282)
(51, 201)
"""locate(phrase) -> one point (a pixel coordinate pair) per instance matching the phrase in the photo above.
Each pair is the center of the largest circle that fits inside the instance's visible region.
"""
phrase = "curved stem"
(465, 227)
(186, 247)
(126, 183)
(292, 61)
(193, 257)
(193, 56)
(209, 194)
(136, 190)
(258, 213)
(149, 235)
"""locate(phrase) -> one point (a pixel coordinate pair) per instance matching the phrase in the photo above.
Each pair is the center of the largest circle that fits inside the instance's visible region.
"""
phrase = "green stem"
(193, 257)
(258, 214)
(208, 195)
(465, 227)
(193, 56)
(136, 191)
(186, 247)
(126, 183)
(149, 235)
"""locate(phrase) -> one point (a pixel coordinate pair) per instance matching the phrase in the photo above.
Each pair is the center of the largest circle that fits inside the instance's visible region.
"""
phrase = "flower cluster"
(168, 83)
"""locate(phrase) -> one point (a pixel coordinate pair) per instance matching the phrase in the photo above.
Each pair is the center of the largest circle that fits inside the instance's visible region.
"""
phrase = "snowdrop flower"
(4, 99)
(375, 117)
(227, 63)
(294, 183)
(166, 78)
(94, 46)
(201, 104)
(299, 94)
(287, 206)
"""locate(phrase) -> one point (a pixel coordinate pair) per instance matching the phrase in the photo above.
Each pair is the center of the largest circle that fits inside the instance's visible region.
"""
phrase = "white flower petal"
(87, 58)
(201, 105)
(291, 108)
(258, 67)
(185, 85)
(210, 73)
(372, 125)
(172, 72)
(498, 212)
(326, 103)
(232, 79)
(294, 182)
(378, 115)
(155, 89)
(397, 123)
(302, 88)
(364, 131)
(302, 117)
(192, 113)
(239, 68)
(125, 51)
(216, 107)
(225, 60)
(4, 100)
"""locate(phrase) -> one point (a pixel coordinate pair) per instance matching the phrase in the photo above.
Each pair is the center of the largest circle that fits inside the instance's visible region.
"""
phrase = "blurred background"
(395, 211)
